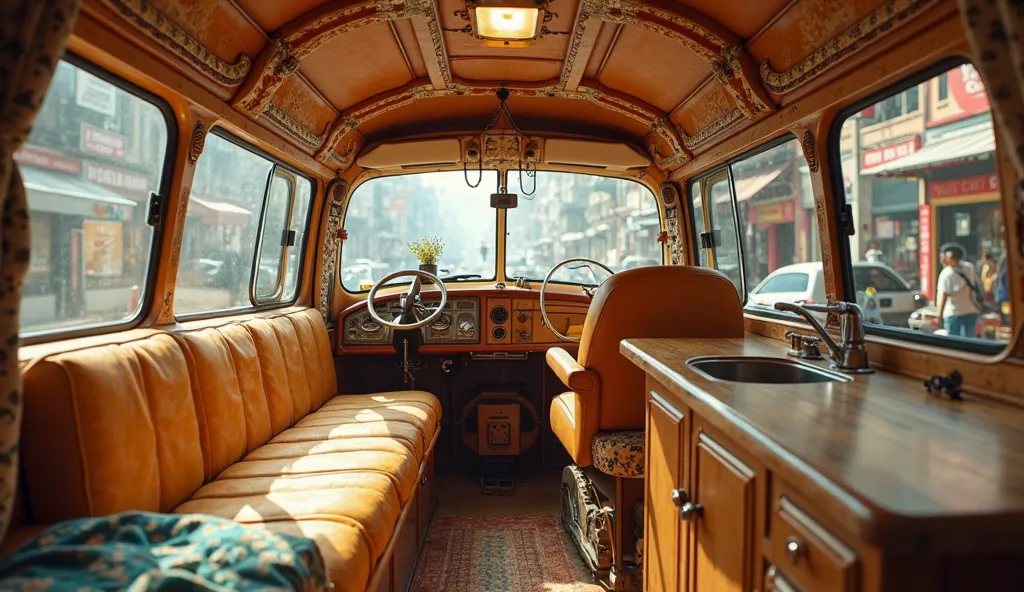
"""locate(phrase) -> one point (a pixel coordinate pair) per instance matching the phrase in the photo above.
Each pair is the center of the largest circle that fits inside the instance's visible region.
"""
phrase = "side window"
(96, 152)
(243, 232)
(784, 282)
(697, 207)
(761, 222)
(925, 195)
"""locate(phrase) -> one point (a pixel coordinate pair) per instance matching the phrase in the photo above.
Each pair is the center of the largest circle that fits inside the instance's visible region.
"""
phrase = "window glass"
(927, 210)
(387, 213)
(697, 207)
(221, 238)
(784, 282)
(273, 242)
(612, 221)
(722, 219)
(95, 154)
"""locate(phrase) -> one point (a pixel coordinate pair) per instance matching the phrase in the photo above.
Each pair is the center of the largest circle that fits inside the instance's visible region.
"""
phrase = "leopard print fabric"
(620, 454)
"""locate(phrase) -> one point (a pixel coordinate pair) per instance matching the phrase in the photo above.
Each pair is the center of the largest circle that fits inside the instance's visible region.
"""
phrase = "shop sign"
(884, 154)
(123, 181)
(772, 213)
(95, 94)
(103, 247)
(978, 184)
(102, 143)
(968, 90)
(924, 259)
(29, 156)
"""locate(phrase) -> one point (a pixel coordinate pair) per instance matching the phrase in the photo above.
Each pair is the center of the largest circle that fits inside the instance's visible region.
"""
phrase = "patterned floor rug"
(500, 554)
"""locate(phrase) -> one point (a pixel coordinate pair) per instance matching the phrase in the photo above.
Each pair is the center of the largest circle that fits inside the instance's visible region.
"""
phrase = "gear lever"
(407, 377)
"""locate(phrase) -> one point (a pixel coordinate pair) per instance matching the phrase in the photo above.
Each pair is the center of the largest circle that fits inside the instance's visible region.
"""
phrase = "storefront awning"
(965, 144)
(60, 193)
(748, 186)
(218, 212)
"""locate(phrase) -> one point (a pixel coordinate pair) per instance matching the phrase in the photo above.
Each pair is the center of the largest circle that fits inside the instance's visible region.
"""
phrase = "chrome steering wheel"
(588, 289)
(410, 301)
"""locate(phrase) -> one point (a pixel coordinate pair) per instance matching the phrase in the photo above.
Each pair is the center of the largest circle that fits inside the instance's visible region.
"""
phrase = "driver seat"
(600, 420)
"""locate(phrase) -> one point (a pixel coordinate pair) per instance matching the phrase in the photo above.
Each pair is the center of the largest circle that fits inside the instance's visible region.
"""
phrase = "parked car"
(892, 302)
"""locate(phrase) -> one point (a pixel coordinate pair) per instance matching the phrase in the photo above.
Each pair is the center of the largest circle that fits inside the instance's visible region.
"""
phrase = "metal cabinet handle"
(795, 548)
(687, 509)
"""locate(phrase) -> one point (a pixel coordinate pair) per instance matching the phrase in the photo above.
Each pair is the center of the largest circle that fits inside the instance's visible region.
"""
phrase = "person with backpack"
(959, 302)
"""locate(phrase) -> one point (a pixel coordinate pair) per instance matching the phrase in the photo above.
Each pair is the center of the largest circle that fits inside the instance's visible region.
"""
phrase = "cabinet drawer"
(809, 555)
(775, 582)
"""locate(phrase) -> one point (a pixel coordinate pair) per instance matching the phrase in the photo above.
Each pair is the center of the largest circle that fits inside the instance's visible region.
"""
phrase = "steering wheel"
(588, 289)
(410, 301)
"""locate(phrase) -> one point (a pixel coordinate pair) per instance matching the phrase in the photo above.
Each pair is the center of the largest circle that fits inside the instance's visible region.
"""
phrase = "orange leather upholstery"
(240, 420)
(607, 389)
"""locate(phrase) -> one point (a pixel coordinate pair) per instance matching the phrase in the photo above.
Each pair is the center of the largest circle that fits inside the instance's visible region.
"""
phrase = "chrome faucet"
(850, 354)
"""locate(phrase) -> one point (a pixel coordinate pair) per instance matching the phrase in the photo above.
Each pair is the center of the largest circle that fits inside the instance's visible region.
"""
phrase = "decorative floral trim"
(675, 239)
(338, 193)
(711, 130)
(880, 21)
(197, 143)
(159, 27)
(620, 454)
(294, 128)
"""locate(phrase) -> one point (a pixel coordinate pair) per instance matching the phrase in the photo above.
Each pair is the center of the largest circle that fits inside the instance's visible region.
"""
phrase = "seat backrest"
(142, 422)
(662, 301)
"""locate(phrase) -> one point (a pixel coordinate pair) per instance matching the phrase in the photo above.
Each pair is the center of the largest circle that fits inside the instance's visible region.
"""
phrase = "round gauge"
(442, 323)
(467, 327)
(369, 325)
(499, 314)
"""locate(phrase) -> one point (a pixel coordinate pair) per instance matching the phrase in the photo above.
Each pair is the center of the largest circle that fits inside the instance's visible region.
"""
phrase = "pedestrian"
(989, 273)
(958, 303)
(874, 254)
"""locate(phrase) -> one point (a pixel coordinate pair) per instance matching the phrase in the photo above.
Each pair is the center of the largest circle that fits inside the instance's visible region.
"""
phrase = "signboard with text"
(924, 259)
(95, 94)
(772, 213)
(883, 154)
(126, 182)
(103, 143)
(976, 185)
(30, 156)
(968, 90)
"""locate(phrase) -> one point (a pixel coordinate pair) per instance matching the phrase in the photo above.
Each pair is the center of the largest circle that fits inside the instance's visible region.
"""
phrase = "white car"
(804, 283)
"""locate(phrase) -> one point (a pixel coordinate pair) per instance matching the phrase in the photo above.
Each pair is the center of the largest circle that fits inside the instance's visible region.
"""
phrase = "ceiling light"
(507, 20)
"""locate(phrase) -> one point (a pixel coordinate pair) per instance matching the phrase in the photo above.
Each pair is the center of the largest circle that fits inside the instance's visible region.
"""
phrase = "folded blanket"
(149, 551)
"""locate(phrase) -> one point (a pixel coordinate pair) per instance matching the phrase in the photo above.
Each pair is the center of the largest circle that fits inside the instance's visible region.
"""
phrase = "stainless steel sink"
(761, 370)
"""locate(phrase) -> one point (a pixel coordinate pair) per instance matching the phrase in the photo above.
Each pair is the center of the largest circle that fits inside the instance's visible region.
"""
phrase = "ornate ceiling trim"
(337, 190)
(430, 39)
(295, 129)
(157, 26)
(880, 21)
(281, 57)
(729, 63)
(711, 130)
(581, 45)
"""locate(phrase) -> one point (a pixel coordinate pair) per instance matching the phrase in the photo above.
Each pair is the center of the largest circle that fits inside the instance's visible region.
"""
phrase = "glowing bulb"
(503, 22)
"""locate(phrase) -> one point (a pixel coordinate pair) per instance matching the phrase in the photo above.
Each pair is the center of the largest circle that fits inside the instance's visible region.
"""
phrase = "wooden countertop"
(910, 469)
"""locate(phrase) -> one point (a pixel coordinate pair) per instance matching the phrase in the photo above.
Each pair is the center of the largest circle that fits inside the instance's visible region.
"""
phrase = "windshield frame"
(499, 224)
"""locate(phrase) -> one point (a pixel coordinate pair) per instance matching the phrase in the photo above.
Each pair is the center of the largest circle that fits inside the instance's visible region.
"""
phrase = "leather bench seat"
(240, 419)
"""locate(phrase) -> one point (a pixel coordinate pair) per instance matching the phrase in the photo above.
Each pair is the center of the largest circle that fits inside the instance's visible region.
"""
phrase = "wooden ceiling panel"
(474, 113)
(605, 41)
(807, 25)
(357, 65)
(305, 105)
(274, 14)
(407, 37)
(709, 109)
(511, 69)
(653, 68)
(466, 45)
(219, 26)
(742, 17)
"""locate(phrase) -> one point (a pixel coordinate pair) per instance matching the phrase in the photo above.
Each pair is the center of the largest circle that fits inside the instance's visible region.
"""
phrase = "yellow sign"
(103, 244)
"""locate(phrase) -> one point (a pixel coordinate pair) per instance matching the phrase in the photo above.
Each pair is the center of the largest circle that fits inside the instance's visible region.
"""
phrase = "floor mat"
(500, 554)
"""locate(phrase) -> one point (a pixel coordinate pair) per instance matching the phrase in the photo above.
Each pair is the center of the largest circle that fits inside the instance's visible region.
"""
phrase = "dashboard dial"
(370, 326)
(467, 328)
(441, 323)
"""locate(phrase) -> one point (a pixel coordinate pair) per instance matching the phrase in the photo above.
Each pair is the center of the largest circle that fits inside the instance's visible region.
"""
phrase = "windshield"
(613, 221)
(388, 213)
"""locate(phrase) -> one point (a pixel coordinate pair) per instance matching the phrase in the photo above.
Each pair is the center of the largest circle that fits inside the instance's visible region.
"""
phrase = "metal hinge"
(288, 240)
(155, 208)
(710, 239)
(846, 220)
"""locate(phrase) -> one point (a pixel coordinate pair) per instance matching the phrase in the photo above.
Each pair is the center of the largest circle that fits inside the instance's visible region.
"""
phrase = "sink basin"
(762, 370)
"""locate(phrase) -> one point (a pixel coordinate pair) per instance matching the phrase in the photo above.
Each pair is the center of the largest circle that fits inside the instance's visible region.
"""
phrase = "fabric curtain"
(995, 30)
(33, 34)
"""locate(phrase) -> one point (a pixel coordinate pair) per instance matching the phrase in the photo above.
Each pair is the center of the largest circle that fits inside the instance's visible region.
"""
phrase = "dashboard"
(472, 320)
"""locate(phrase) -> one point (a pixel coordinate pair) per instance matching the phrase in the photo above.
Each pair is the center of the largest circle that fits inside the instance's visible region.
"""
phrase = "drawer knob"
(795, 548)
(687, 509)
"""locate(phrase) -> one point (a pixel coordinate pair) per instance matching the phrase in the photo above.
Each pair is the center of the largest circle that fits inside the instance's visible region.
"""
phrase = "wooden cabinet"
(664, 536)
(721, 518)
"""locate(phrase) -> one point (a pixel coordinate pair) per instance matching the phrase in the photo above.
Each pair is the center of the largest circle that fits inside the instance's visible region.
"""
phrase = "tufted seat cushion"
(620, 454)
(239, 419)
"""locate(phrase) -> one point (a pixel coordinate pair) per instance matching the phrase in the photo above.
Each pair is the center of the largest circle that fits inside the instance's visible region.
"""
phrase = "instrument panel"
(459, 323)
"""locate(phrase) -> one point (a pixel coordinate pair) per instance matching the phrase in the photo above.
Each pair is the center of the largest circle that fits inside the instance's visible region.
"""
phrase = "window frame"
(147, 295)
(276, 164)
(499, 225)
(845, 266)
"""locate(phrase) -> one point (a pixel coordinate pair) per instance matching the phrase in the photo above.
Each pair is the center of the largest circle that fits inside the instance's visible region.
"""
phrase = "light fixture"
(507, 23)
(524, 146)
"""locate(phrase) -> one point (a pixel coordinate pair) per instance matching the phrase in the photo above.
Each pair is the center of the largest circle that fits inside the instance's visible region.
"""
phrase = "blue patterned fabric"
(148, 551)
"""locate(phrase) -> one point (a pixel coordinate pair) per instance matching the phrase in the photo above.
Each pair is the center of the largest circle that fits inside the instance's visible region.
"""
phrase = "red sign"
(924, 255)
(968, 90)
(883, 154)
(102, 142)
(772, 213)
(126, 182)
(978, 184)
(30, 156)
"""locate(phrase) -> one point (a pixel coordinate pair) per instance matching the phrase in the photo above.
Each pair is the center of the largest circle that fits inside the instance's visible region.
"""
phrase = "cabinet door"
(663, 532)
(723, 519)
